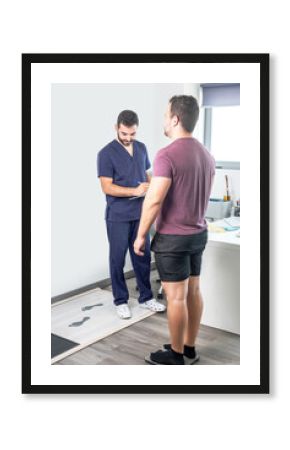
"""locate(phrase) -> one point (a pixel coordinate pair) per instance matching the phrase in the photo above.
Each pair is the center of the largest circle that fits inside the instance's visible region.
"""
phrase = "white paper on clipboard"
(139, 196)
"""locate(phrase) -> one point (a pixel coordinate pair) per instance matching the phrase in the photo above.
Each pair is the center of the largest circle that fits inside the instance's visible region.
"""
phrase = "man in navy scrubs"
(122, 166)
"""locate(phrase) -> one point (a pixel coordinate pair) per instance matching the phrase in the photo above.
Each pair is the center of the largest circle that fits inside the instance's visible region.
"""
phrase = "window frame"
(207, 129)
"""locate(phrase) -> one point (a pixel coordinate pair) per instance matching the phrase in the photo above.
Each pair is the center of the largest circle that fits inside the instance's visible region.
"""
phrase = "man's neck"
(129, 148)
(181, 135)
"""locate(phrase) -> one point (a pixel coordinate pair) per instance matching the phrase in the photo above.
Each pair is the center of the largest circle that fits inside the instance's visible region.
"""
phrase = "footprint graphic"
(78, 324)
(89, 307)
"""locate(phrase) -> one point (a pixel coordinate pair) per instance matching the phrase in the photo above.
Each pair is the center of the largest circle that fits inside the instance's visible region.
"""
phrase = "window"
(222, 123)
(222, 135)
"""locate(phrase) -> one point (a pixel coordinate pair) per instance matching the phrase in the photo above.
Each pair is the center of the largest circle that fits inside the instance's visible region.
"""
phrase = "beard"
(125, 142)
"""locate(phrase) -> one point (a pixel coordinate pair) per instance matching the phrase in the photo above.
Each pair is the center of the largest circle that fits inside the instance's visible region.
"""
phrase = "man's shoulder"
(140, 145)
(107, 149)
(165, 151)
(206, 152)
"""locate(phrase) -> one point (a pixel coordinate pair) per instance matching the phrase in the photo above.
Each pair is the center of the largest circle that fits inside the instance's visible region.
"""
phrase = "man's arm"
(109, 188)
(148, 176)
(155, 196)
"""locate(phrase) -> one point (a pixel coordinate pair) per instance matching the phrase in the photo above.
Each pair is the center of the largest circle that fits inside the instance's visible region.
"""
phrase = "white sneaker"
(123, 311)
(153, 305)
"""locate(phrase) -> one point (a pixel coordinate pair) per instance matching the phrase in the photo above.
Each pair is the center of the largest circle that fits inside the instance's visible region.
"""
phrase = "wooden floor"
(130, 345)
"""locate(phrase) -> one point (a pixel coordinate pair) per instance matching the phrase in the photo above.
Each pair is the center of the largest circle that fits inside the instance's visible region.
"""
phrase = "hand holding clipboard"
(141, 190)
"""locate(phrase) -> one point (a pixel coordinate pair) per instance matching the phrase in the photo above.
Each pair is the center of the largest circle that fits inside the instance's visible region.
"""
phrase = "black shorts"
(178, 257)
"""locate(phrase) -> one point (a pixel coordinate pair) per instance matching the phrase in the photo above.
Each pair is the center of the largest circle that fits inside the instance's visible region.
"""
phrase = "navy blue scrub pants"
(121, 236)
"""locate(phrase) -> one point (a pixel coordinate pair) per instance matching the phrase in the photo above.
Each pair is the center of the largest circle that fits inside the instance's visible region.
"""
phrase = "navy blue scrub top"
(115, 162)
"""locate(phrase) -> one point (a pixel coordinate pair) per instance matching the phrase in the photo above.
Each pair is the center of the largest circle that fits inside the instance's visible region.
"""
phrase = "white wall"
(83, 118)
(85, 29)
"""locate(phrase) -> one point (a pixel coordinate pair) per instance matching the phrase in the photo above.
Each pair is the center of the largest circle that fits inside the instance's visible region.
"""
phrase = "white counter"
(227, 237)
(220, 278)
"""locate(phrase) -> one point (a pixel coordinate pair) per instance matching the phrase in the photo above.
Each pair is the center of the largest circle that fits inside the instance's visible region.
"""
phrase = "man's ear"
(175, 121)
(116, 127)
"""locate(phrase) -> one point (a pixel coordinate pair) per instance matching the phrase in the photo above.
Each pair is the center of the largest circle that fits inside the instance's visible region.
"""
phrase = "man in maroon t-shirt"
(177, 199)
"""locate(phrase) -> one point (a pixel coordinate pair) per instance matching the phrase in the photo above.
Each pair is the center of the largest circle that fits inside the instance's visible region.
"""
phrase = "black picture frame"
(263, 61)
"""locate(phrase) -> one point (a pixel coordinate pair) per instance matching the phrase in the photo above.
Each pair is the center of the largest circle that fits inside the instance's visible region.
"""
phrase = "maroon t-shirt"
(191, 168)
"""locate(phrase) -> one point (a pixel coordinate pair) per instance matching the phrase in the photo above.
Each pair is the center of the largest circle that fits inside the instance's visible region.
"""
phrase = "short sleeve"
(162, 166)
(147, 160)
(104, 165)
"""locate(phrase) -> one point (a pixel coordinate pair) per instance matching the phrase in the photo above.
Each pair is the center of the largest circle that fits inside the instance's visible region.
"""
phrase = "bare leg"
(194, 308)
(176, 293)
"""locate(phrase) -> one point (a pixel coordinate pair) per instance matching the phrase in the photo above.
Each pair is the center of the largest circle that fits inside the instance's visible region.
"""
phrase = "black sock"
(189, 351)
(177, 355)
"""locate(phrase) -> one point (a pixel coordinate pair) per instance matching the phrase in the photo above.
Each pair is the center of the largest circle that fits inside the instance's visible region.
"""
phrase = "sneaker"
(187, 360)
(153, 305)
(123, 311)
(164, 357)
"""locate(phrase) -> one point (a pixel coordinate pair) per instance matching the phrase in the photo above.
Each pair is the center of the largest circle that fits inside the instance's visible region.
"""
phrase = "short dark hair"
(127, 118)
(186, 108)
